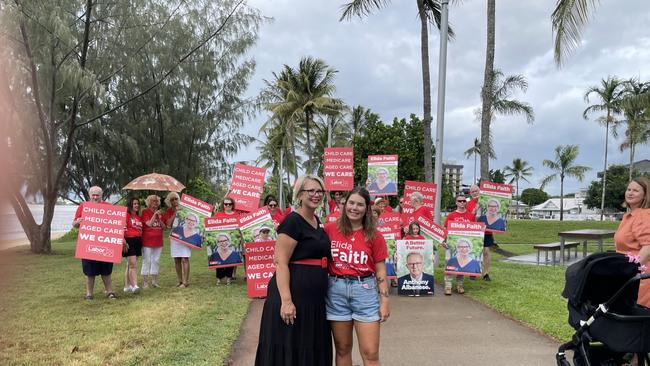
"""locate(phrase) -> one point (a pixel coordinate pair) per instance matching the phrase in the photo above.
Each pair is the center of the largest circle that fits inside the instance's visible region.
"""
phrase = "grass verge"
(531, 293)
(45, 320)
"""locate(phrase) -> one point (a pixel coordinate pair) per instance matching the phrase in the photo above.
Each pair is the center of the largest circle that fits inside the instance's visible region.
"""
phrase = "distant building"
(452, 174)
(574, 209)
(641, 166)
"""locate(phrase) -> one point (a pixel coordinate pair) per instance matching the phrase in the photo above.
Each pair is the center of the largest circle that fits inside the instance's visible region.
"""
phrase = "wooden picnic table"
(584, 235)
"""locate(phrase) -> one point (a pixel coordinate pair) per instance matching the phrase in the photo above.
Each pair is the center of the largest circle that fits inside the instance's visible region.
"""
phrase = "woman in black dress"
(294, 329)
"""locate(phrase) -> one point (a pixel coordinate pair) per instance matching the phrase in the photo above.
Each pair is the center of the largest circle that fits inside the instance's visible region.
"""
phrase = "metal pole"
(280, 183)
(329, 131)
(440, 112)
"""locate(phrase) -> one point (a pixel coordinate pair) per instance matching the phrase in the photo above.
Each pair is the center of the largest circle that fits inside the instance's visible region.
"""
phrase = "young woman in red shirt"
(357, 296)
(133, 248)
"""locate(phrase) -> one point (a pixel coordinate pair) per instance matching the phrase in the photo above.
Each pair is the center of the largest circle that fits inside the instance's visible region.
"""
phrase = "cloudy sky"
(378, 59)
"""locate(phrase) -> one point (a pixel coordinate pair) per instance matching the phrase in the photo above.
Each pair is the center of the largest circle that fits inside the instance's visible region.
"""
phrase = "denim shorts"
(352, 299)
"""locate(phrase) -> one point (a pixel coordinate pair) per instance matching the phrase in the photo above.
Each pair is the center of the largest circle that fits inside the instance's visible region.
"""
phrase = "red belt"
(322, 263)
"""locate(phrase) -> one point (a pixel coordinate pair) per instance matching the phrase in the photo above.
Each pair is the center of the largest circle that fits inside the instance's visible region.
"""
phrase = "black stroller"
(610, 327)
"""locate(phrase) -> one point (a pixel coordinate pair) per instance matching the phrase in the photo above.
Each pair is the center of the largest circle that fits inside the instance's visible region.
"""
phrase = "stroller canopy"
(598, 277)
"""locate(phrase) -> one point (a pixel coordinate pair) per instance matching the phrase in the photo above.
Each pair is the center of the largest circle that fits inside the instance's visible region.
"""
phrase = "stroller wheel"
(563, 362)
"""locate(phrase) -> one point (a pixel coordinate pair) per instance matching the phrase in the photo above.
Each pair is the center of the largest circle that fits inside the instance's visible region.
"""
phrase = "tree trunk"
(486, 92)
(426, 91)
(517, 194)
(631, 160)
(308, 117)
(604, 179)
(561, 197)
(474, 181)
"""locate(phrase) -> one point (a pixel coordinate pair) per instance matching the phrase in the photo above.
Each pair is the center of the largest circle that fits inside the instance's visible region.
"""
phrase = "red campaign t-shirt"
(414, 237)
(472, 205)
(133, 226)
(333, 217)
(423, 211)
(221, 214)
(354, 255)
(277, 216)
(152, 236)
(457, 216)
(169, 213)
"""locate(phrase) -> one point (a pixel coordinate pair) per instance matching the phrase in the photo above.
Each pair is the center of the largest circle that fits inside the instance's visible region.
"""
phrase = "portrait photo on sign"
(188, 227)
(223, 252)
(493, 212)
(466, 255)
(415, 268)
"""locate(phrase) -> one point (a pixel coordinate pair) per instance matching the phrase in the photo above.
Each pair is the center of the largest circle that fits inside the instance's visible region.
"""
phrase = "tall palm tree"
(609, 95)
(518, 171)
(502, 89)
(637, 117)
(307, 91)
(568, 18)
(429, 11)
(340, 132)
(564, 166)
(487, 91)
(476, 151)
(358, 119)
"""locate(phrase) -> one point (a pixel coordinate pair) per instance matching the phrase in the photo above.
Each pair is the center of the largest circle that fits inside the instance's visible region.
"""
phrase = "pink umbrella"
(155, 182)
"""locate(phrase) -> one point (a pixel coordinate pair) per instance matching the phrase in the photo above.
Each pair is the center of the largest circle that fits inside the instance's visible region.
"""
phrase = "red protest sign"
(259, 267)
(246, 186)
(428, 191)
(101, 232)
(393, 221)
(338, 168)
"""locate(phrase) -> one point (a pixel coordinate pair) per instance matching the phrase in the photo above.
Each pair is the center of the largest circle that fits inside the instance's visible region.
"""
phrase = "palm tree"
(306, 92)
(563, 165)
(502, 103)
(518, 171)
(637, 118)
(476, 151)
(340, 137)
(568, 18)
(609, 94)
(358, 119)
(487, 95)
(429, 11)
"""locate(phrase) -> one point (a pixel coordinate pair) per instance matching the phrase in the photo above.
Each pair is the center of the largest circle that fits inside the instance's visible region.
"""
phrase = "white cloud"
(378, 59)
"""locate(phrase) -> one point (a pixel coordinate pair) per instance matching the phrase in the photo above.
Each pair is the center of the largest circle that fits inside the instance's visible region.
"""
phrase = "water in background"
(10, 228)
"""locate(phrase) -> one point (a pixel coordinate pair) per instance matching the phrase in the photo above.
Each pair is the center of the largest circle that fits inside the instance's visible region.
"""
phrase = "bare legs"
(182, 266)
(367, 335)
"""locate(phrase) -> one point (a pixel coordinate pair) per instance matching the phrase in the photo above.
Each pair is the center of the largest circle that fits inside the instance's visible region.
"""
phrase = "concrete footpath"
(443, 330)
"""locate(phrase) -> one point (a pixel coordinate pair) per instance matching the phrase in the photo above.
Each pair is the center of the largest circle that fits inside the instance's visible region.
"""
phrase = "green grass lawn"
(45, 320)
(531, 293)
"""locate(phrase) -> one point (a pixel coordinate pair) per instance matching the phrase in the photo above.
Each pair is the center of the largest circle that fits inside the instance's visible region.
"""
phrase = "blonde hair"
(300, 184)
(150, 198)
(168, 199)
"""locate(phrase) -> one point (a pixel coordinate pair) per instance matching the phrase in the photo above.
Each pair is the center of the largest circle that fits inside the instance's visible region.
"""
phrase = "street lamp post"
(440, 113)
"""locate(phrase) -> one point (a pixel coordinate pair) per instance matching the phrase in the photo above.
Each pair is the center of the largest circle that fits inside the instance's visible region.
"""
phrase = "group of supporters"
(330, 279)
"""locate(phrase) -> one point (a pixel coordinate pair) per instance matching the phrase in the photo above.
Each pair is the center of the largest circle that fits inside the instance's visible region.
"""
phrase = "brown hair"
(344, 225)
(644, 182)
(129, 205)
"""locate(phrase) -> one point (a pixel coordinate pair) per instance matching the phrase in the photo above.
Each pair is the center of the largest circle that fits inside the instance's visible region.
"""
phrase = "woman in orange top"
(633, 234)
